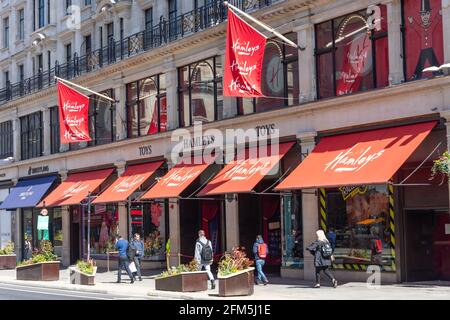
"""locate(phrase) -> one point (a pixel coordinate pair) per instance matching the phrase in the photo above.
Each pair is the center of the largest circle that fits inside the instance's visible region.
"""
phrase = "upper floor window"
(68, 4)
(21, 73)
(41, 11)
(21, 24)
(200, 93)
(6, 32)
(149, 19)
(55, 141)
(279, 80)
(423, 34)
(351, 55)
(6, 78)
(68, 52)
(146, 106)
(102, 127)
(87, 2)
(6, 140)
(31, 143)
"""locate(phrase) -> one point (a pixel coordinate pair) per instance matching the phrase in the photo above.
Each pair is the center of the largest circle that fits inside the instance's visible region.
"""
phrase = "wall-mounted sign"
(351, 191)
(265, 130)
(37, 170)
(196, 142)
(145, 150)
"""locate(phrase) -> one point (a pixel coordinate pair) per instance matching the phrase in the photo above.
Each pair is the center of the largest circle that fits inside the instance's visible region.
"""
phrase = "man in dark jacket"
(139, 245)
(122, 246)
(321, 262)
(260, 260)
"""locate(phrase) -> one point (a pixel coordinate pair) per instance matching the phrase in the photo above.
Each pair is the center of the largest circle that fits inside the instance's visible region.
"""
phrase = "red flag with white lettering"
(73, 115)
(243, 59)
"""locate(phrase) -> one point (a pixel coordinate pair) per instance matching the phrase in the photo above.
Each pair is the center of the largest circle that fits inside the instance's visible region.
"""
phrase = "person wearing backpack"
(322, 251)
(376, 247)
(260, 250)
(204, 255)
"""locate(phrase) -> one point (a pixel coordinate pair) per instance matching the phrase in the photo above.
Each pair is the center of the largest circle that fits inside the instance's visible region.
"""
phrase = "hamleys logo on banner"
(74, 189)
(353, 159)
(128, 184)
(246, 169)
(70, 106)
(179, 177)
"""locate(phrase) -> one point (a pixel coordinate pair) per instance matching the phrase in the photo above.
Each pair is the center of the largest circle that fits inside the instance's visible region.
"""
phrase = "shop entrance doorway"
(427, 245)
(74, 236)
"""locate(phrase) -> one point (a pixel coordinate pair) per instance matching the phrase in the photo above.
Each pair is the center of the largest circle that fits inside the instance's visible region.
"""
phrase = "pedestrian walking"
(260, 250)
(122, 247)
(204, 255)
(322, 251)
(139, 246)
(28, 248)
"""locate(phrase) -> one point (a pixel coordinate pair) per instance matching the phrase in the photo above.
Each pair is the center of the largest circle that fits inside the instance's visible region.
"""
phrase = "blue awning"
(27, 193)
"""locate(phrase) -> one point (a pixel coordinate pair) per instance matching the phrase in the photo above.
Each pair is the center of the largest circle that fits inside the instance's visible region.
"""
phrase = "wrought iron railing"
(164, 32)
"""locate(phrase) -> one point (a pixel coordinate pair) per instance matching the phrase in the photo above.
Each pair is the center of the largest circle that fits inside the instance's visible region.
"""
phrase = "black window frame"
(6, 139)
(41, 13)
(55, 141)
(375, 36)
(92, 120)
(21, 23)
(135, 103)
(218, 78)
(6, 32)
(31, 129)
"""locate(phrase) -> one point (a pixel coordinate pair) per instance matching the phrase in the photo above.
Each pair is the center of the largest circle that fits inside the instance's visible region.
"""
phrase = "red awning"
(242, 175)
(76, 187)
(133, 177)
(369, 157)
(177, 179)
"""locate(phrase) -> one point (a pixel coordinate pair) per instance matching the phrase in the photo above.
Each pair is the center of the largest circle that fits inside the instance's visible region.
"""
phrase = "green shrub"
(8, 249)
(191, 267)
(85, 267)
(233, 262)
(44, 254)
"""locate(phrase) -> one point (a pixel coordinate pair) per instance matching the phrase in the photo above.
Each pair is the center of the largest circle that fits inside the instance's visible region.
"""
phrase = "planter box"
(78, 277)
(237, 284)
(8, 261)
(44, 271)
(183, 282)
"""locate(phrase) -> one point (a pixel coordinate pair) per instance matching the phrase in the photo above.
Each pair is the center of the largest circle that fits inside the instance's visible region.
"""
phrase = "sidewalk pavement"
(277, 289)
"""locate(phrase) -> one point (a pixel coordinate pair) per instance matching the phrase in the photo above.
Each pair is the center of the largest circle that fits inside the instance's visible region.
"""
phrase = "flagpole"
(271, 30)
(83, 88)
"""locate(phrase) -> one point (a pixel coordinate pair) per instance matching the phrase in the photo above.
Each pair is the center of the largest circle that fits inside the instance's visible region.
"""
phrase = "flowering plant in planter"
(7, 250)
(44, 254)
(190, 267)
(86, 266)
(441, 165)
(234, 262)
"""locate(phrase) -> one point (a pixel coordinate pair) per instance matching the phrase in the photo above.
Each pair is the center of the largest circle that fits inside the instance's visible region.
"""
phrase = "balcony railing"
(166, 31)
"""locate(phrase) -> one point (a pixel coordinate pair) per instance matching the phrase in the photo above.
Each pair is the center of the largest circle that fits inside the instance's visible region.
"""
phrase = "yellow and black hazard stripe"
(392, 224)
(323, 210)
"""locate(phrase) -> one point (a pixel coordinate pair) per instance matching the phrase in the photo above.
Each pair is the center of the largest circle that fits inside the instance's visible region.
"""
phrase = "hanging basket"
(441, 166)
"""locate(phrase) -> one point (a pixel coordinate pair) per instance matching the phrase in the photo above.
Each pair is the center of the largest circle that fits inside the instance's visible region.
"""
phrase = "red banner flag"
(243, 59)
(73, 115)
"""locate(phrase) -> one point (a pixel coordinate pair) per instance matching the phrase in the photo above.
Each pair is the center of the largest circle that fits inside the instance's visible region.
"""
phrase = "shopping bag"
(132, 267)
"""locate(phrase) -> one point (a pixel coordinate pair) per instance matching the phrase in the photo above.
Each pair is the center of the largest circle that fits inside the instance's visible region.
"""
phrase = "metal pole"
(129, 219)
(266, 27)
(84, 88)
(89, 227)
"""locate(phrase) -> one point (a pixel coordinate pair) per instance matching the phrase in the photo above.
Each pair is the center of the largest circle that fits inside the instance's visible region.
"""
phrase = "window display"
(358, 225)
(148, 220)
(424, 45)
(352, 55)
(293, 232)
(103, 228)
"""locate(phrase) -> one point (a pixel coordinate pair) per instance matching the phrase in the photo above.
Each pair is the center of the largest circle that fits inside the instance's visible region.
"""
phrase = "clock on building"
(273, 70)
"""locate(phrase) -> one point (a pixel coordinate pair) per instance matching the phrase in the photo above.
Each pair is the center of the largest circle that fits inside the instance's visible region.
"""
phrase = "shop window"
(423, 37)
(279, 80)
(146, 106)
(200, 93)
(35, 231)
(102, 125)
(293, 232)
(358, 226)
(6, 140)
(351, 54)
(148, 220)
(103, 228)
(54, 130)
(31, 135)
